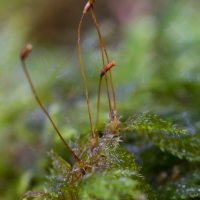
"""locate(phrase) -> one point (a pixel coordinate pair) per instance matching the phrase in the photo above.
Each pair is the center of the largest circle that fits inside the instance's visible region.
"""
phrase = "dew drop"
(183, 186)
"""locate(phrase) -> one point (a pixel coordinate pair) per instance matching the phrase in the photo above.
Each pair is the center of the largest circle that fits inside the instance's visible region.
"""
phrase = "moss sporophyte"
(102, 168)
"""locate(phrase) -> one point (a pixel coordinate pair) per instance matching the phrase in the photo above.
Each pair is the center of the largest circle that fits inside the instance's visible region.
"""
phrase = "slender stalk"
(103, 72)
(83, 75)
(98, 105)
(102, 52)
(105, 51)
(23, 54)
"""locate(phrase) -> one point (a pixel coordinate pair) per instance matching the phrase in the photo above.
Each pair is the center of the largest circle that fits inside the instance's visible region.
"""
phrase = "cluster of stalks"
(106, 66)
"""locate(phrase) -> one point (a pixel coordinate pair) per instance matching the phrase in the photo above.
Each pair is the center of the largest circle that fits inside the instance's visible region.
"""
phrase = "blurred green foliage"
(157, 70)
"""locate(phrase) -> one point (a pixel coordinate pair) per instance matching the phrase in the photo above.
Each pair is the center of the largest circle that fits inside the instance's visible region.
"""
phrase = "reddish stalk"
(103, 49)
(103, 72)
(102, 53)
(23, 54)
(88, 6)
(83, 75)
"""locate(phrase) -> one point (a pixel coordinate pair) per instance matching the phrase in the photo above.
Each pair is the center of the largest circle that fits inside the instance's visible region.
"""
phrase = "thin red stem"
(103, 49)
(45, 111)
(83, 75)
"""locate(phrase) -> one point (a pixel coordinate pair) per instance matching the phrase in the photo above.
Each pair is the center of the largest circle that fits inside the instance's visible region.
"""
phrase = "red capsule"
(107, 67)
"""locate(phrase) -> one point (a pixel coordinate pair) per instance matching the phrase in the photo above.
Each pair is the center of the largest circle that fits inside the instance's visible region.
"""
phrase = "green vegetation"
(157, 89)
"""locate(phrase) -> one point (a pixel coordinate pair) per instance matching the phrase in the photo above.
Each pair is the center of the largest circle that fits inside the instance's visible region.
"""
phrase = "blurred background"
(156, 46)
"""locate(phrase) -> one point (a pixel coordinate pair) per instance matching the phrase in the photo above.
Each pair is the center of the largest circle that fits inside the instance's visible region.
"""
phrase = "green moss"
(108, 172)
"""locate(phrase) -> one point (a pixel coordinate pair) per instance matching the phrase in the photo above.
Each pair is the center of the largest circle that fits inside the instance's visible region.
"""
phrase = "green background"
(156, 46)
